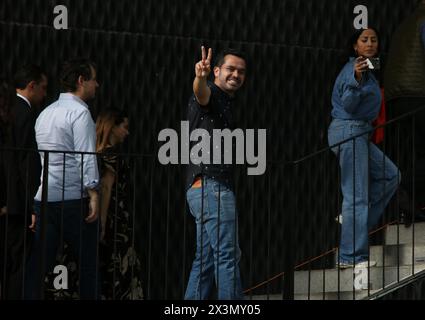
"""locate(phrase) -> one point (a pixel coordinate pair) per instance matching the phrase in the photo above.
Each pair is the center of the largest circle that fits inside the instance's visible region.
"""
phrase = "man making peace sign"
(209, 185)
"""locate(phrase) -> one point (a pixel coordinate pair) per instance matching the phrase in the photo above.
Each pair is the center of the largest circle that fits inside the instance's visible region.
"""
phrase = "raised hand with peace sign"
(203, 67)
(202, 70)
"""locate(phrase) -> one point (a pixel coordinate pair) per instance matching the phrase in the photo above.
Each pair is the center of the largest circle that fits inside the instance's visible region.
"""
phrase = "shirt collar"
(223, 93)
(25, 99)
(70, 96)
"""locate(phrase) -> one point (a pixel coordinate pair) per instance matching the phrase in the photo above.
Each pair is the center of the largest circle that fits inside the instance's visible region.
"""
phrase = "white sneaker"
(363, 264)
(339, 219)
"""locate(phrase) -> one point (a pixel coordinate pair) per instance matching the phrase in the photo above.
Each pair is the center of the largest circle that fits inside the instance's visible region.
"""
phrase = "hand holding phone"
(360, 66)
(373, 63)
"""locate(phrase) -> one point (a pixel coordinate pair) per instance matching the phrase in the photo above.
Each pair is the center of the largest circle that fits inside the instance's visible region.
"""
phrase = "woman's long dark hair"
(350, 52)
(105, 122)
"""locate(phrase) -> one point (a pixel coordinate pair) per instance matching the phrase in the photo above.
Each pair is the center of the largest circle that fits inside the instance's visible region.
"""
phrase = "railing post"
(43, 224)
(289, 252)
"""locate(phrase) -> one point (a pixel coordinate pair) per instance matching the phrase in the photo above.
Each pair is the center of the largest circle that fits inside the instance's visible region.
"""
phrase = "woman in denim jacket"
(368, 178)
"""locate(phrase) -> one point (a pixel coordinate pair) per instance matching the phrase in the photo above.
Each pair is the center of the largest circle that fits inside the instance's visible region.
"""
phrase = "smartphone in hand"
(373, 63)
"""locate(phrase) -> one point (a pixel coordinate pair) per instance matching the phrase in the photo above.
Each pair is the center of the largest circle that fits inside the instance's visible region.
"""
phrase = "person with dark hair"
(117, 254)
(368, 178)
(72, 70)
(404, 81)
(72, 198)
(209, 187)
(22, 171)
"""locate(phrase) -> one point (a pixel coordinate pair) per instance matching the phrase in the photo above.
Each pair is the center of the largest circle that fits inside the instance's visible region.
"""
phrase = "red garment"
(378, 135)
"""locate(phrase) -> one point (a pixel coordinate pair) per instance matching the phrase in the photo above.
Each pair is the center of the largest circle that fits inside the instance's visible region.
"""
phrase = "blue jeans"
(76, 232)
(368, 181)
(217, 249)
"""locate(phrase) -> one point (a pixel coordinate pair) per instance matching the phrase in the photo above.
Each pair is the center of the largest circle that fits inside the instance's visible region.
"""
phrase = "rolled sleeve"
(85, 141)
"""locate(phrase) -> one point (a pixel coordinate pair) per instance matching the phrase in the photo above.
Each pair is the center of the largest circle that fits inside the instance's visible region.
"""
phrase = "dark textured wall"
(146, 51)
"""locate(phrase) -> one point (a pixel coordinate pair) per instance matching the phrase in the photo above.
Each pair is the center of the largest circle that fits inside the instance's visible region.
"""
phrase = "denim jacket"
(352, 100)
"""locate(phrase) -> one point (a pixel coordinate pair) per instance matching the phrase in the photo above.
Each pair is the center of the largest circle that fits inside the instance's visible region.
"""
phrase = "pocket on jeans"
(194, 201)
(226, 200)
(362, 125)
(220, 187)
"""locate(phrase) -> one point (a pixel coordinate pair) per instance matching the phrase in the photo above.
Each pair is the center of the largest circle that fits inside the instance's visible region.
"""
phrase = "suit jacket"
(23, 168)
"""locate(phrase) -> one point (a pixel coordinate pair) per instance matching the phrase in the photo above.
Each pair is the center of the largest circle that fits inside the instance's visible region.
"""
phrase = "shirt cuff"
(92, 185)
(352, 81)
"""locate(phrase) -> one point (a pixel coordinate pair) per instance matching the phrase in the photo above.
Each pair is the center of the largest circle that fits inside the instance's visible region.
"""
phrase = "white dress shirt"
(67, 125)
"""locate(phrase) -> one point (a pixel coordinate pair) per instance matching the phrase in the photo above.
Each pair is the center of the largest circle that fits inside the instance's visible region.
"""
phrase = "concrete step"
(317, 281)
(347, 295)
(398, 255)
(394, 263)
(405, 235)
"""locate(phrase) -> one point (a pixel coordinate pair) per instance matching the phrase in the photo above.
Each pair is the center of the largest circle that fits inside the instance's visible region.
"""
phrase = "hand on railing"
(3, 211)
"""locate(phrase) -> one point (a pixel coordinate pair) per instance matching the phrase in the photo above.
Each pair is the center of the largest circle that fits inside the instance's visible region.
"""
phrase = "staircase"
(399, 259)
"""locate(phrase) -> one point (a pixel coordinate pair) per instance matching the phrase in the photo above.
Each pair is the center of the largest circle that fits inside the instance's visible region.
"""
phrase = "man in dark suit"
(23, 170)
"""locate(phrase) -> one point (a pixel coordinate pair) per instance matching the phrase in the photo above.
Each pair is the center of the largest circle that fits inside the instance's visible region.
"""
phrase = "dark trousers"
(64, 221)
(14, 251)
(406, 144)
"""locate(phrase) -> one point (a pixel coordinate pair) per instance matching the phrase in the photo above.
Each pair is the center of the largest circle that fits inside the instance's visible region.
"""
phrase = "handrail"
(310, 260)
(358, 135)
(79, 152)
(293, 162)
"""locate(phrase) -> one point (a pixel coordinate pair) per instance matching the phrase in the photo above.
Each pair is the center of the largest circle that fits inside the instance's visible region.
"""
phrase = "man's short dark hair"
(72, 69)
(219, 60)
(26, 74)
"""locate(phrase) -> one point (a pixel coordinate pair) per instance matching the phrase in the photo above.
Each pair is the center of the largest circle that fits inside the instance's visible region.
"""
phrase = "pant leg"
(83, 240)
(33, 272)
(201, 277)
(384, 180)
(353, 160)
(222, 228)
(16, 255)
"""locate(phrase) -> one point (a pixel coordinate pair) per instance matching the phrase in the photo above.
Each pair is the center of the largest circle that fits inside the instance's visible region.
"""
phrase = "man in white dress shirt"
(72, 200)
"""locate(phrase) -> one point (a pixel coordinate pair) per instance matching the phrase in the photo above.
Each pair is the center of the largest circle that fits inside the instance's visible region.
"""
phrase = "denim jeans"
(368, 181)
(217, 250)
(81, 236)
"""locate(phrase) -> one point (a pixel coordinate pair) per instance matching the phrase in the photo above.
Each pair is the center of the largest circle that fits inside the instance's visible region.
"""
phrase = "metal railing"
(288, 232)
(317, 273)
